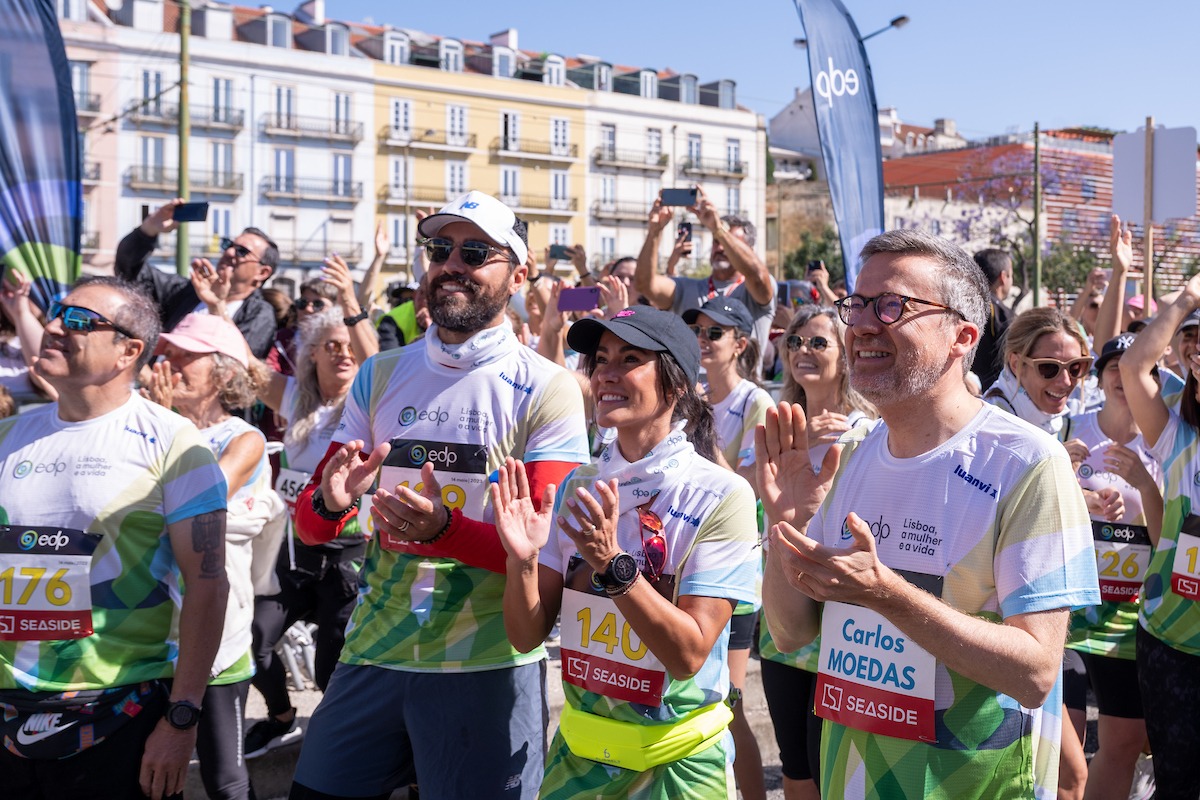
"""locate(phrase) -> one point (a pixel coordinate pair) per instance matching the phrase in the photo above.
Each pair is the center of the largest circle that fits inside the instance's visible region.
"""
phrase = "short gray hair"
(960, 281)
(139, 313)
(734, 221)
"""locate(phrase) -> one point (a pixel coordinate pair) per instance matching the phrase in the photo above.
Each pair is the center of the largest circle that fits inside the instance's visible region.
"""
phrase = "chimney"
(506, 38)
(945, 127)
(312, 12)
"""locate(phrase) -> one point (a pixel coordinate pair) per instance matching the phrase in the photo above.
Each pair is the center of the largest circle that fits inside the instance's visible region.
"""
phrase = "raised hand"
(614, 294)
(826, 427)
(347, 477)
(408, 514)
(382, 242)
(161, 386)
(523, 530)
(1121, 243)
(593, 523)
(211, 284)
(705, 210)
(789, 488)
(850, 574)
(660, 215)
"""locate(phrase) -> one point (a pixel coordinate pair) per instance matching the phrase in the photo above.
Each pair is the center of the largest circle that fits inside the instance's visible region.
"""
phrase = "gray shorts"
(456, 734)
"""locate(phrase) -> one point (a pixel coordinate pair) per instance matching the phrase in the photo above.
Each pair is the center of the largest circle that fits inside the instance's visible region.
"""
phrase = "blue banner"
(848, 125)
(41, 197)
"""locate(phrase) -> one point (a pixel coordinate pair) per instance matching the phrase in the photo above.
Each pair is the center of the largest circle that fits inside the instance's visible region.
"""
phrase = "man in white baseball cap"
(494, 218)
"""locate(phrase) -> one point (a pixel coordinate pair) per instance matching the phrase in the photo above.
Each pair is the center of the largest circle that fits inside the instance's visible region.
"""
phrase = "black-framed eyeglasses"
(1048, 368)
(84, 320)
(795, 342)
(472, 253)
(240, 250)
(889, 307)
(714, 333)
(315, 305)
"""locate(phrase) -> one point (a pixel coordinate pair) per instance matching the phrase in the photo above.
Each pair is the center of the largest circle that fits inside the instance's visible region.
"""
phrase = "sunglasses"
(714, 333)
(315, 305)
(1048, 368)
(338, 348)
(239, 250)
(655, 547)
(473, 254)
(817, 343)
(84, 320)
(889, 307)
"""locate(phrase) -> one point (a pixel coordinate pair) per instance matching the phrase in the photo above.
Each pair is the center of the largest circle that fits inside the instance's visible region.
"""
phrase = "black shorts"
(1115, 683)
(741, 631)
(1075, 681)
(789, 692)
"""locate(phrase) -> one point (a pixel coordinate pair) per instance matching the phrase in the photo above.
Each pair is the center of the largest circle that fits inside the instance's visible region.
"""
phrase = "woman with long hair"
(204, 376)
(1168, 635)
(645, 553)
(322, 580)
(815, 375)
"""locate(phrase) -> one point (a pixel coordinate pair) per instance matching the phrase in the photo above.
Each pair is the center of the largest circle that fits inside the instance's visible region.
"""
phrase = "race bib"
(45, 584)
(290, 484)
(366, 522)
(1185, 569)
(461, 469)
(872, 677)
(601, 653)
(1122, 558)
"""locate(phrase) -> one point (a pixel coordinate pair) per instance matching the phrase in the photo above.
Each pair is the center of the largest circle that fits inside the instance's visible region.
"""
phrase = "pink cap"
(1139, 301)
(205, 333)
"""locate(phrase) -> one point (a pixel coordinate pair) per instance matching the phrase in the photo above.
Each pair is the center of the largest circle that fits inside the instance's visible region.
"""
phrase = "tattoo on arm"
(207, 535)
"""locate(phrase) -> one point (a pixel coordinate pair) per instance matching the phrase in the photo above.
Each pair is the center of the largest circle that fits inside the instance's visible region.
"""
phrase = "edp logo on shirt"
(445, 456)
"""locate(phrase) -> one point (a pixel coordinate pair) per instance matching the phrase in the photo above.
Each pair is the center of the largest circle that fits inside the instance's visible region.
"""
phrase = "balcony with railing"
(298, 127)
(161, 179)
(715, 167)
(541, 205)
(532, 149)
(397, 254)
(632, 212)
(428, 139)
(400, 196)
(288, 188)
(312, 253)
(629, 159)
(90, 173)
(221, 118)
(87, 104)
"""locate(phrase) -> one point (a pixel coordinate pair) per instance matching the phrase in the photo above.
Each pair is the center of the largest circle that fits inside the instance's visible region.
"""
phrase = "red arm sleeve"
(312, 528)
(476, 543)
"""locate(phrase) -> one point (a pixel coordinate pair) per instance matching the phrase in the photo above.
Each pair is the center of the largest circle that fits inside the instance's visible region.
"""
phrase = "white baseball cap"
(494, 218)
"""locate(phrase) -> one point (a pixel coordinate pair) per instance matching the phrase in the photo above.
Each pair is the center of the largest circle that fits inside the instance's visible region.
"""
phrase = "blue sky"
(991, 65)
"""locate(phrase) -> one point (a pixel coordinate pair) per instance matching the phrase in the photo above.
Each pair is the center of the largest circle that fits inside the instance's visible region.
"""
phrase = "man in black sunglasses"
(246, 263)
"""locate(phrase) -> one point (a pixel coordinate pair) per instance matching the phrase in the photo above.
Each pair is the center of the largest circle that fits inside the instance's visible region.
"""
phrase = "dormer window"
(649, 84)
(337, 40)
(450, 55)
(554, 71)
(396, 49)
(503, 62)
(279, 31)
(689, 90)
(725, 94)
(604, 78)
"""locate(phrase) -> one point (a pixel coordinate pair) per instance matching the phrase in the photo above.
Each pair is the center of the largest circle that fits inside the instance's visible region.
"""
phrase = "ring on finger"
(403, 527)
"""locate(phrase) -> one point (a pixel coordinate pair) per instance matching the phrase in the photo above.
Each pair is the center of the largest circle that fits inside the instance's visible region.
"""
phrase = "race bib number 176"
(45, 585)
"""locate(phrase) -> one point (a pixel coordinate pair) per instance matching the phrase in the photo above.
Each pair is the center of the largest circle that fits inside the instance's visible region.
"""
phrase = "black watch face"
(182, 716)
(624, 568)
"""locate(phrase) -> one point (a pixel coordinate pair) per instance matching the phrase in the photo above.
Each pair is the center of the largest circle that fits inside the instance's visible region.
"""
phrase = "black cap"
(644, 327)
(1190, 321)
(1113, 348)
(723, 311)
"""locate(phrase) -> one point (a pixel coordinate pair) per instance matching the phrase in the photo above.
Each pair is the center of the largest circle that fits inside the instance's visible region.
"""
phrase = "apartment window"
(222, 110)
(608, 248)
(456, 125)
(689, 91)
(608, 141)
(396, 49)
(337, 40)
(151, 162)
(608, 190)
(553, 71)
(279, 31)
(649, 84)
(285, 105)
(559, 137)
(398, 230)
(603, 78)
(342, 178)
(560, 234)
(456, 178)
(693, 148)
(285, 169)
(559, 195)
(733, 199)
(510, 130)
(510, 188)
(450, 55)
(222, 162)
(1088, 189)
(218, 220)
(503, 62)
(398, 177)
(152, 89)
(81, 74)
(733, 155)
(73, 10)
(341, 112)
(653, 145)
(400, 118)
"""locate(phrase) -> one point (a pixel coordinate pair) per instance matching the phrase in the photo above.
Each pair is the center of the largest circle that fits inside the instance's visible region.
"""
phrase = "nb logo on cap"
(470, 204)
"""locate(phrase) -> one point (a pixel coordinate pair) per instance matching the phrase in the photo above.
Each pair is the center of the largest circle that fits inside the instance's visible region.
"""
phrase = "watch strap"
(357, 318)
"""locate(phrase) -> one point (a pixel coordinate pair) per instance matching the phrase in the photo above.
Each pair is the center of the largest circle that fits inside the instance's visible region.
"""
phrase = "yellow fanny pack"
(641, 747)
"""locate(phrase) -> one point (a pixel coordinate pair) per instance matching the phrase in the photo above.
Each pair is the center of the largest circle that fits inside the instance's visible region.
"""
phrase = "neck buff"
(640, 480)
(1009, 389)
(489, 345)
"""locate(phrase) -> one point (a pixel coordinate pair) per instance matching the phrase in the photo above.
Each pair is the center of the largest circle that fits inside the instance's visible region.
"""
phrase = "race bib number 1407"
(45, 584)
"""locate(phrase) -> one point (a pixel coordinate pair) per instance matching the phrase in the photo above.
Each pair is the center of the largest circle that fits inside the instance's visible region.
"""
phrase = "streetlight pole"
(185, 129)
(897, 22)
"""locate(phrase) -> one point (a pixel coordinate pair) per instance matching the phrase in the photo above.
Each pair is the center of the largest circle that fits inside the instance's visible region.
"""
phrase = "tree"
(824, 246)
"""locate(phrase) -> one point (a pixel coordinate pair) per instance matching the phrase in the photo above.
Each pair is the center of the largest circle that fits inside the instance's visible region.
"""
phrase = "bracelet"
(350, 322)
(623, 590)
(445, 529)
(321, 510)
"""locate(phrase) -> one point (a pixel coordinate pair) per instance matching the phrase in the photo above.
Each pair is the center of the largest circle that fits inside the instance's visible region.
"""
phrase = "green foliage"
(821, 247)
(1066, 266)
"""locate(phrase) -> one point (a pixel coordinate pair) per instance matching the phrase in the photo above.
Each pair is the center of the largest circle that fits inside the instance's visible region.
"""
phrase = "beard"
(468, 313)
(910, 377)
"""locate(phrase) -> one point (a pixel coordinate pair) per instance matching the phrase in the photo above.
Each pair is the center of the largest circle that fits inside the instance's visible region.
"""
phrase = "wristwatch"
(357, 318)
(182, 715)
(620, 573)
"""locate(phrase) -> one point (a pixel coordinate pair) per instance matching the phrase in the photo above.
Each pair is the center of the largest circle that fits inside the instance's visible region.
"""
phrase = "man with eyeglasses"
(246, 263)
(112, 552)
(938, 558)
(428, 683)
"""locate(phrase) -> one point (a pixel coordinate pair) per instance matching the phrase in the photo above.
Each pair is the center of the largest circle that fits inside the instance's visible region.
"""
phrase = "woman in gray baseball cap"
(645, 553)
